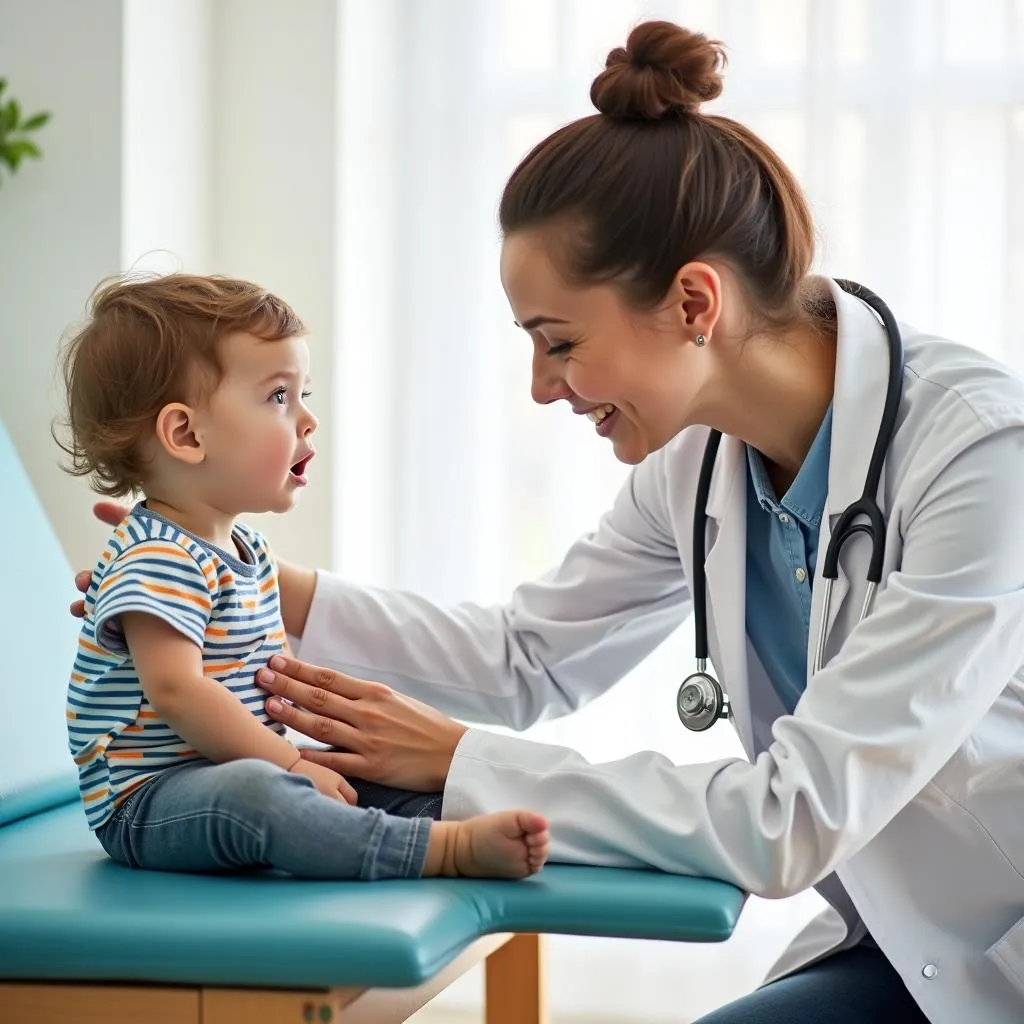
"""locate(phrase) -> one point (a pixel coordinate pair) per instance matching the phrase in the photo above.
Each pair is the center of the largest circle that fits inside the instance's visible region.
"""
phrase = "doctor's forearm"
(297, 586)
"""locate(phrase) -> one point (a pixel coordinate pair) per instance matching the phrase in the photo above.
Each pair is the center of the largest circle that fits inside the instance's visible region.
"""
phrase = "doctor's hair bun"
(664, 71)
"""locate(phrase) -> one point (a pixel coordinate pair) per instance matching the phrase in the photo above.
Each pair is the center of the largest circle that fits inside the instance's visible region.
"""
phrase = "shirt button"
(801, 575)
(783, 518)
(929, 971)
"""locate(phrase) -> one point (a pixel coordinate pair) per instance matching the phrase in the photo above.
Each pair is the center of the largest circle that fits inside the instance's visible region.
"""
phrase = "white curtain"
(904, 122)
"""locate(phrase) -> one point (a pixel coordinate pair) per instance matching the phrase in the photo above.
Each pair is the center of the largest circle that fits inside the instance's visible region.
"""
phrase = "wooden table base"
(514, 995)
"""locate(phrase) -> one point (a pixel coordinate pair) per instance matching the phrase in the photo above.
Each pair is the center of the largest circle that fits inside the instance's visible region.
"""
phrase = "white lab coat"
(901, 768)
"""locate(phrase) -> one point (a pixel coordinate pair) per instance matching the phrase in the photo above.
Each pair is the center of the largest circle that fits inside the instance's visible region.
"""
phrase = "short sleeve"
(158, 577)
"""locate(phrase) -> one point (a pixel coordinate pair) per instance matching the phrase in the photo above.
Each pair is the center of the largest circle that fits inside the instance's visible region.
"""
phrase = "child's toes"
(532, 824)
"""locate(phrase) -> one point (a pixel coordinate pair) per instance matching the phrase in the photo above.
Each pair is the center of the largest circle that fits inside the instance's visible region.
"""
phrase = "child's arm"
(202, 712)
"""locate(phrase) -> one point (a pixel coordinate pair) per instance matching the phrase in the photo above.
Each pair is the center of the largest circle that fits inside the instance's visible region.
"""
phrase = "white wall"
(183, 137)
(60, 224)
(168, 135)
(273, 200)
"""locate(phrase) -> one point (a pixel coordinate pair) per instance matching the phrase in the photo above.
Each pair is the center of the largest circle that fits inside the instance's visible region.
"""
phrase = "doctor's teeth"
(601, 413)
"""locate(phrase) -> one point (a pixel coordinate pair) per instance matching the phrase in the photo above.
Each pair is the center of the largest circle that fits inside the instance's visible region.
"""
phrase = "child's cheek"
(275, 455)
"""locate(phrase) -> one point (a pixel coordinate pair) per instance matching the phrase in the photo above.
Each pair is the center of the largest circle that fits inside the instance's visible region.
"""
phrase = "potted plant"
(15, 143)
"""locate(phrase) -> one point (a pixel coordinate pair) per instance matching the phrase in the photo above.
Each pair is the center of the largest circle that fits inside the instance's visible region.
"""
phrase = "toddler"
(191, 391)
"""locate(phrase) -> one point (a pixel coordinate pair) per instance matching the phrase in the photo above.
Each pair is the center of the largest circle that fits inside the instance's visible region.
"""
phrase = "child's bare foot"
(508, 844)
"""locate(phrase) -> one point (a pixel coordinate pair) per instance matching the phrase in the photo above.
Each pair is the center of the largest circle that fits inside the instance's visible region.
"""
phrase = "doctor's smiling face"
(647, 245)
(635, 373)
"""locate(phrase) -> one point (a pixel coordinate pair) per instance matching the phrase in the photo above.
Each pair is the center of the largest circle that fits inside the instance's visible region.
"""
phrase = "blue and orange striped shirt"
(226, 603)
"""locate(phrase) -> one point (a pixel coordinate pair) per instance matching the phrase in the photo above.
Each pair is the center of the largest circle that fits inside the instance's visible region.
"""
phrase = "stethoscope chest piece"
(700, 702)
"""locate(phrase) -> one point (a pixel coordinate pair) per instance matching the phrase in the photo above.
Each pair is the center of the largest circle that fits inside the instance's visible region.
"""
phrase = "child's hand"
(327, 781)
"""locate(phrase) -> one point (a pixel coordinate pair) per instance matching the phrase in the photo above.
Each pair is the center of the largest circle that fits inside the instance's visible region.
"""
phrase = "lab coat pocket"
(1008, 955)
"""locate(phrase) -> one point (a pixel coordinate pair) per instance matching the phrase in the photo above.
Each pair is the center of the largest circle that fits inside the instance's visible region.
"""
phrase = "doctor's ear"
(177, 435)
(696, 294)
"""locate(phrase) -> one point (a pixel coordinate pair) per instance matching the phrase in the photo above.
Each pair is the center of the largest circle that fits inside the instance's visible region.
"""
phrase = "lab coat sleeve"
(873, 727)
(558, 643)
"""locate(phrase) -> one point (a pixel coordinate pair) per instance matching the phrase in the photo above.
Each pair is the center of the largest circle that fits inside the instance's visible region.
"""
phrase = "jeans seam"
(212, 812)
(367, 872)
(411, 842)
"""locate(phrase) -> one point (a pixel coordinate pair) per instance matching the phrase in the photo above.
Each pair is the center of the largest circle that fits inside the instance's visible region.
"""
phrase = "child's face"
(255, 428)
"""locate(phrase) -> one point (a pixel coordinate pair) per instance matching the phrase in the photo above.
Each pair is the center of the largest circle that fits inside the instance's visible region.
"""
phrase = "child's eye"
(306, 394)
(279, 395)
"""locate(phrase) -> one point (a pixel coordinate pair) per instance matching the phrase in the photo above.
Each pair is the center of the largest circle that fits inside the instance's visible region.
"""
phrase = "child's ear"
(175, 431)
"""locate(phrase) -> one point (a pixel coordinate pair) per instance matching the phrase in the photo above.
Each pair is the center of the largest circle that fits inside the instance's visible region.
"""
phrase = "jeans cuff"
(397, 848)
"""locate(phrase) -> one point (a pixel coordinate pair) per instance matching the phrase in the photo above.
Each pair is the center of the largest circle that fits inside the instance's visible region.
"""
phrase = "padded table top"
(67, 912)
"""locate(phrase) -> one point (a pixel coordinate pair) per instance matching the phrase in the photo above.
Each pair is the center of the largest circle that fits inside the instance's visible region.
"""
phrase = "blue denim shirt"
(782, 550)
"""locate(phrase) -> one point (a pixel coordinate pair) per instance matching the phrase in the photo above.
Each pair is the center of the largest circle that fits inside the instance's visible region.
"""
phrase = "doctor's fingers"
(324, 679)
(321, 727)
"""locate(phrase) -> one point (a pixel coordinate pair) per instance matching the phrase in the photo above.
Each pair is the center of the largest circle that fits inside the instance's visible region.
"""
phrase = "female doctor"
(657, 260)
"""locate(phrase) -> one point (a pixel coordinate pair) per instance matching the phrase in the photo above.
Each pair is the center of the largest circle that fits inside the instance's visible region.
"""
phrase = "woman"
(658, 260)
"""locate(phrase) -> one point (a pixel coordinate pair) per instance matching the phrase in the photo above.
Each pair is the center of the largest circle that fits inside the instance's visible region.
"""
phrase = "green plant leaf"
(36, 121)
(9, 115)
(14, 152)
(24, 147)
(3, 85)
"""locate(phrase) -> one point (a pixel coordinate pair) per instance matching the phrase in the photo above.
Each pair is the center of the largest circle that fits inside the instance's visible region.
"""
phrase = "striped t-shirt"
(227, 603)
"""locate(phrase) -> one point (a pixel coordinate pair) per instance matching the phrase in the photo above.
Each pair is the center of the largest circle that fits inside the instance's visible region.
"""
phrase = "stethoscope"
(700, 701)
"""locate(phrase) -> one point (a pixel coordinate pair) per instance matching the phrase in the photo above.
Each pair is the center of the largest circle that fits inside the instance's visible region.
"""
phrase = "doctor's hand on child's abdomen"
(378, 734)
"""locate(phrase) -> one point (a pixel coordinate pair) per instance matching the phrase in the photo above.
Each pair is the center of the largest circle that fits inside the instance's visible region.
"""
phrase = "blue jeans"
(248, 814)
(858, 986)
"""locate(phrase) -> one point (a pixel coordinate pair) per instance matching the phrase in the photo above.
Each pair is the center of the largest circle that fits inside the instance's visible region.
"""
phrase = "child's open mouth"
(298, 471)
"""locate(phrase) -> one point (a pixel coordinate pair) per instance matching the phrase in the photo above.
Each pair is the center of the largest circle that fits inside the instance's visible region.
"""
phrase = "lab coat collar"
(725, 565)
(730, 471)
(862, 373)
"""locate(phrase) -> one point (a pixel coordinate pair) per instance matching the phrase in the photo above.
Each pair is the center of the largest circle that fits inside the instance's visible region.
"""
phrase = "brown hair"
(649, 183)
(141, 348)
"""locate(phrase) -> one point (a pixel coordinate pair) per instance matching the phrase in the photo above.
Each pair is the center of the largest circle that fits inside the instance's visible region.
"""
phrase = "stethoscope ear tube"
(700, 526)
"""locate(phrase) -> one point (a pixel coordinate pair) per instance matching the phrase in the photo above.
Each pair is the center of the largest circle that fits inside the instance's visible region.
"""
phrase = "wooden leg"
(515, 983)
(36, 1003)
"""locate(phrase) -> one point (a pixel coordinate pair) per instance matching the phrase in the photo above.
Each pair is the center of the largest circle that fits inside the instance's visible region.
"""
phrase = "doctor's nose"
(547, 387)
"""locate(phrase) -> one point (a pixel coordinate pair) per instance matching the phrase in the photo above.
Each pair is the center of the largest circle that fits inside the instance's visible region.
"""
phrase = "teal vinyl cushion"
(68, 912)
(35, 588)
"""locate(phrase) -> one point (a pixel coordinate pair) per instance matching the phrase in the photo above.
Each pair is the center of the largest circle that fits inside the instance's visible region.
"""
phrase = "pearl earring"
(700, 340)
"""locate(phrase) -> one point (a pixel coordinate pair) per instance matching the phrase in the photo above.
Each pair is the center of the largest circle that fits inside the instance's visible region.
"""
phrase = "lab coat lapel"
(725, 564)
(862, 363)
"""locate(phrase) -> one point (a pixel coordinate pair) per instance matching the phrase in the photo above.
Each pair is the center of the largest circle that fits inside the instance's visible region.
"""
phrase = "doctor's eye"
(559, 348)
